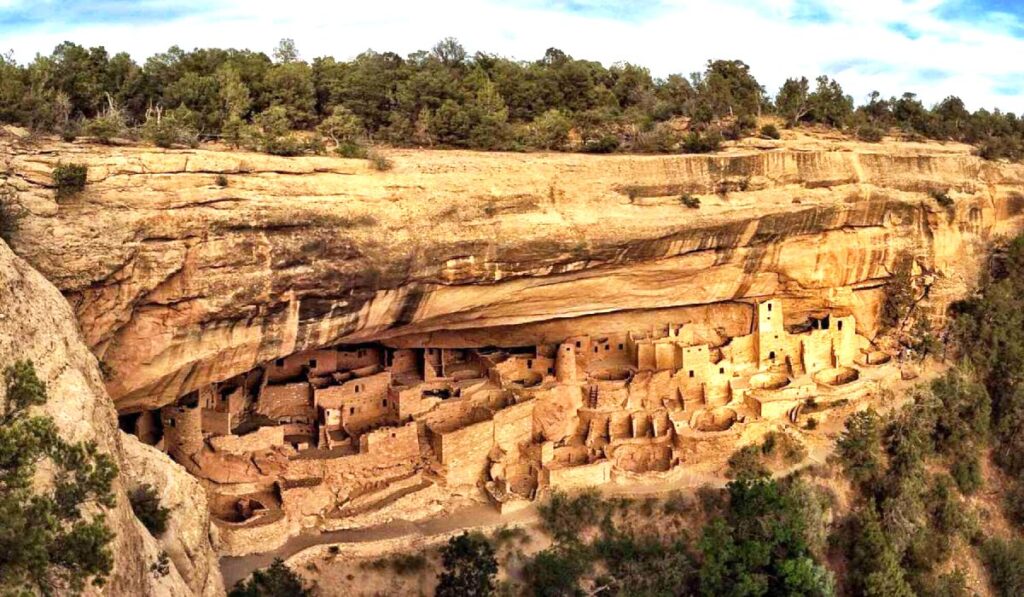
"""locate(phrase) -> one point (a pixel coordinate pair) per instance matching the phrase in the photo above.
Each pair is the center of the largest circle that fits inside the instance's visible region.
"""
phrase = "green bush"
(707, 142)
(379, 161)
(11, 213)
(565, 516)
(870, 134)
(351, 149)
(276, 581)
(146, 505)
(1005, 563)
(174, 127)
(69, 179)
(469, 567)
(106, 127)
(746, 463)
(555, 572)
(941, 197)
(54, 535)
(770, 131)
(603, 144)
(966, 472)
(689, 201)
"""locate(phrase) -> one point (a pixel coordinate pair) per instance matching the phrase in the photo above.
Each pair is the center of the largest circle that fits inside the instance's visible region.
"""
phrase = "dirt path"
(236, 568)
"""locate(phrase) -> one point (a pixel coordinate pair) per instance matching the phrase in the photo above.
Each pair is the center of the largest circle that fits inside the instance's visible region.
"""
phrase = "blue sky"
(972, 48)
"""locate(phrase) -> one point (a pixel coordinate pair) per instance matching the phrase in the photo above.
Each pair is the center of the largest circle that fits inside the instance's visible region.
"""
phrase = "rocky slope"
(179, 278)
(37, 323)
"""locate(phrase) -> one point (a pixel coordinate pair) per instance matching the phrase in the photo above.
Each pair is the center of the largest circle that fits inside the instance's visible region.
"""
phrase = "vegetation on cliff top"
(446, 97)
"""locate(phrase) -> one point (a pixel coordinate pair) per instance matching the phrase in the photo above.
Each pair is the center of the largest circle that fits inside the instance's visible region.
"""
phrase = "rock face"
(179, 281)
(37, 323)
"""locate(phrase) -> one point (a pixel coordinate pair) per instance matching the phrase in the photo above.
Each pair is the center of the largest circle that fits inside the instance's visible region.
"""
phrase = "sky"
(935, 48)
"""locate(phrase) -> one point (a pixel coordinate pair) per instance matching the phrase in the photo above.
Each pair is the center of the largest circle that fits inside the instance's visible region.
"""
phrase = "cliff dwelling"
(320, 435)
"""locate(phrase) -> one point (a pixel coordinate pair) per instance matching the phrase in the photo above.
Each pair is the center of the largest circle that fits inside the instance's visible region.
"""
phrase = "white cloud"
(858, 46)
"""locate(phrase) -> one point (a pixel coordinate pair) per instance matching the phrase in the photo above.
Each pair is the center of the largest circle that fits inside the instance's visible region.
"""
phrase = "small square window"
(691, 372)
(312, 363)
(721, 369)
(279, 363)
(578, 344)
(621, 346)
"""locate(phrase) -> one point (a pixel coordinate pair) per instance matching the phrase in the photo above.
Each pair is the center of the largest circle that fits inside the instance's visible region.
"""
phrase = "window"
(357, 388)
(769, 306)
(551, 370)
(771, 355)
(595, 349)
(312, 363)
(569, 348)
(384, 402)
(839, 325)
(529, 364)
(621, 346)
(607, 347)
(352, 410)
(578, 344)
(279, 363)
(691, 372)
(721, 369)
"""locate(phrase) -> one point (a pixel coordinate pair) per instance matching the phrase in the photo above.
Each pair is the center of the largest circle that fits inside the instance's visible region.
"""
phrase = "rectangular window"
(578, 344)
(691, 372)
(721, 369)
(279, 362)
(352, 410)
(384, 402)
(621, 346)
(839, 325)
(312, 363)
(769, 306)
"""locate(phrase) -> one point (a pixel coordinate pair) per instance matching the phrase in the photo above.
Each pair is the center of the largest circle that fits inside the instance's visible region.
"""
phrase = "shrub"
(770, 131)
(221, 181)
(351, 149)
(174, 127)
(106, 127)
(379, 161)
(941, 197)
(689, 201)
(69, 179)
(469, 567)
(790, 449)
(11, 213)
(565, 516)
(604, 144)
(556, 571)
(145, 503)
(1005, 563)
(276, 581)
(811, 424)
(695, 142)
(550, 130)
(746, 463)
(54, 535)
(870, 133)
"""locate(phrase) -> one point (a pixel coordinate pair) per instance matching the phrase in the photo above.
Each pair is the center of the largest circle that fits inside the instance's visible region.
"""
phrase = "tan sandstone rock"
(178, 282)
(36, 323)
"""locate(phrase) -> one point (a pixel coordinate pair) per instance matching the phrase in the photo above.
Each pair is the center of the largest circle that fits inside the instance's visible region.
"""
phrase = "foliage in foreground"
(275, 581)
(51, 540)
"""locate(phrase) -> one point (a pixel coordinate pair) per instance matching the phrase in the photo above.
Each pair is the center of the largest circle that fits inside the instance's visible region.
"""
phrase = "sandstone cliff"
(37, 323)
(178, 281)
